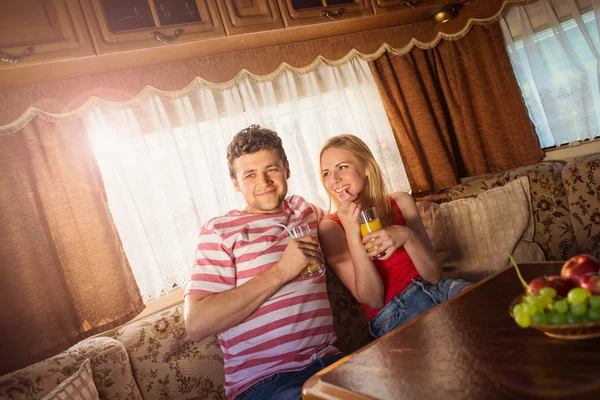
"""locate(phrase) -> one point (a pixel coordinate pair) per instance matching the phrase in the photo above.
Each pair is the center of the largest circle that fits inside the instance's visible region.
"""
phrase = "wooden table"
(467, 348)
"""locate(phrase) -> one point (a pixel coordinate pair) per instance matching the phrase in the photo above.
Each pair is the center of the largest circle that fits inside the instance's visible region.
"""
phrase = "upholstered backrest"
(110, 368)
(166, 364)
(550, 205)
(349, 321)
(581, 178)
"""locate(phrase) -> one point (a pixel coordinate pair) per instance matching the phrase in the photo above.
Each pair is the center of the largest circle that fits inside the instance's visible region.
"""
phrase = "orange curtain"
(456, 110)
(64, 273)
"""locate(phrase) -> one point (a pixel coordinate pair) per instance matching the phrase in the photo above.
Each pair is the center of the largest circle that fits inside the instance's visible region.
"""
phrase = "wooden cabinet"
(246, 16)
(304, 12)
(36, 31)
(48, 40)
(418, 6)
(134, 24)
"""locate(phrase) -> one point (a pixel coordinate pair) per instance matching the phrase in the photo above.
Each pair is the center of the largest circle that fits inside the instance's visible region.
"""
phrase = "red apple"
(579, 265)
(561, 286)
(591, 282)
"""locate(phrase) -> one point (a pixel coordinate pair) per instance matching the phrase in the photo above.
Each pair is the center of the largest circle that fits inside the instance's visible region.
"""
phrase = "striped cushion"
(78, 386)
(485, 229)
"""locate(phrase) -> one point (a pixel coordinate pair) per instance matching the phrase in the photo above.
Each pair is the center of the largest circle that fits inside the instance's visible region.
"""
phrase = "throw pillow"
(78, 386)
(437, 229)
(481, 231)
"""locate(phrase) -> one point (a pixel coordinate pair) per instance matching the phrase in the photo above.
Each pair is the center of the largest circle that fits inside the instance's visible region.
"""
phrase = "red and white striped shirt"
(289, 330)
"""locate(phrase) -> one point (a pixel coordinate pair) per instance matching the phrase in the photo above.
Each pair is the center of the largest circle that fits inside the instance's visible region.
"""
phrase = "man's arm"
(207, 314)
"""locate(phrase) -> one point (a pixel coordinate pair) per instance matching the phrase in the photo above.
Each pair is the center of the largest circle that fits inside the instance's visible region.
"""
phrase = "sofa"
(153, 358)
(565, 200)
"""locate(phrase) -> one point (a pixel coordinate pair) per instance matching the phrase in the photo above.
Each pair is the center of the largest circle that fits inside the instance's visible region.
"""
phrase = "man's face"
(261, 177)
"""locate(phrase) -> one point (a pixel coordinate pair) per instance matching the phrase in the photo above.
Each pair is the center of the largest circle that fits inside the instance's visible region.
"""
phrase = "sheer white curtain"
(164, 161)
(557, 67)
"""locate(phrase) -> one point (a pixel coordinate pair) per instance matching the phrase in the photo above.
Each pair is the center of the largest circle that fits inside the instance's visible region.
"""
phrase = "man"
(274, 327)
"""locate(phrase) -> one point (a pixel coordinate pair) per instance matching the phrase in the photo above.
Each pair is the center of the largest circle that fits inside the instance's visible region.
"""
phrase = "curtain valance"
(70, 98)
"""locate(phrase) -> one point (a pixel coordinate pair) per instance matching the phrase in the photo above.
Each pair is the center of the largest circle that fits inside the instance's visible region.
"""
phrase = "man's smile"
(267, 193)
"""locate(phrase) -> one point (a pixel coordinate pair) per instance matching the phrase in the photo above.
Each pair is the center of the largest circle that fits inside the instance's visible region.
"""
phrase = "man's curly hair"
(250, 140)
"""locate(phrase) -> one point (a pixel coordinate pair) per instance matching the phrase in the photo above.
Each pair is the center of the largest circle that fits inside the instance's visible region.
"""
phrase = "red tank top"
(396, 272)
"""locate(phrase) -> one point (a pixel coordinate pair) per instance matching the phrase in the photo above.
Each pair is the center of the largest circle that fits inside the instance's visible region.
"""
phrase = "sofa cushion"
(167, 364)
(437, 229)
(483, 230)
(110, 366)
(349, 321)
(550, 205)
(581, 177)
(79, 386)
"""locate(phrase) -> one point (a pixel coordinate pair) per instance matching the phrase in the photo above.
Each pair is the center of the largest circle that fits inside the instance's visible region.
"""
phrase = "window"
(164, 166)
(558, 75)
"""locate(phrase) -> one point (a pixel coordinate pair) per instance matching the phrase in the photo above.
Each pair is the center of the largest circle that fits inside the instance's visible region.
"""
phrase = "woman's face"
(342, 173)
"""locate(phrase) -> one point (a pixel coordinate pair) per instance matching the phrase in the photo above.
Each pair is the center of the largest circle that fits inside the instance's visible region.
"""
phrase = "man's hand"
(214, 313)
(297, 255)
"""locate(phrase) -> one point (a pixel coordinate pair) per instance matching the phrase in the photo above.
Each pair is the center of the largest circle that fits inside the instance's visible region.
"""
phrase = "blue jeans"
(417, 298)
(286, 385)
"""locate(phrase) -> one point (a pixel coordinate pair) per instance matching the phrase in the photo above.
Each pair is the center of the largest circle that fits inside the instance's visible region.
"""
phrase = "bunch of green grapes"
(546, 308)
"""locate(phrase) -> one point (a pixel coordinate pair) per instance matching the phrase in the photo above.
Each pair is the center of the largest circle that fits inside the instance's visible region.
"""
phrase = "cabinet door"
(135, 24)
(421, 8)
(35, 31)
(245, 16)
(304, 12)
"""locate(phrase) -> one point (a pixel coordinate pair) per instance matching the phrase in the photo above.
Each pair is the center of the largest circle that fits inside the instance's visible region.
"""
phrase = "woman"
(399, 279)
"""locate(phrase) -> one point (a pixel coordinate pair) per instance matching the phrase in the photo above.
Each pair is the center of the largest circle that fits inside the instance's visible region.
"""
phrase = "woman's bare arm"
(351, 264)
(418, 246)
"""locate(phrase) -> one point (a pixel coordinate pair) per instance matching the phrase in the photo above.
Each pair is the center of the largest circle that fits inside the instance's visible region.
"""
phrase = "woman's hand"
(390, 239)
(348, 213)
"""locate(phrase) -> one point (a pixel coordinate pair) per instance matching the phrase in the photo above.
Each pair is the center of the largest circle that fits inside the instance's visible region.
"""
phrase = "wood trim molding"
(104, 63)
(60, 90)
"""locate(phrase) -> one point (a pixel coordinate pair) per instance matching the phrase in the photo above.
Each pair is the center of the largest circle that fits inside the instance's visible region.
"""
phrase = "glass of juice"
(370, 222)
(311, 270)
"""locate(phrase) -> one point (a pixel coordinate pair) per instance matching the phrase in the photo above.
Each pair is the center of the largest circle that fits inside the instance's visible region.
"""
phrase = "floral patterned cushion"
(110, 367)
(349, 321)
(167, 364)
(582, 178)
(550, 205)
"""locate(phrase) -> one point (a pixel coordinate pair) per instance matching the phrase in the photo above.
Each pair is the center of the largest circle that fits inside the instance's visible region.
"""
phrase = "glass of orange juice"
(370, 222)
(311, 270)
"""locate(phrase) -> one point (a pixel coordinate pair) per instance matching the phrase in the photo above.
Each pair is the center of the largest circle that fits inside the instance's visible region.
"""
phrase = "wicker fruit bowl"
(587, 330)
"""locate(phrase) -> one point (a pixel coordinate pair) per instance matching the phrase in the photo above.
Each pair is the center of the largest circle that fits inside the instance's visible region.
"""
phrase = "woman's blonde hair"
(377, 191)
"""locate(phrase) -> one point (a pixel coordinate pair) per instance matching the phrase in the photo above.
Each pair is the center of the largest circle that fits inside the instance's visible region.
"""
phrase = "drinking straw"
(286, 229)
